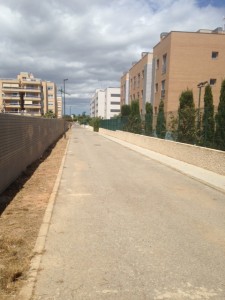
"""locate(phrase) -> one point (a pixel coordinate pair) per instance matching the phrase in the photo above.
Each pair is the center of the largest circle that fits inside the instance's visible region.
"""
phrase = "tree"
(186, 118)
(50, 114)
(134, 120)
(148, 118)
(220, 120)
(208, 118)
(95, 122)
(161, 122)
(125, 110)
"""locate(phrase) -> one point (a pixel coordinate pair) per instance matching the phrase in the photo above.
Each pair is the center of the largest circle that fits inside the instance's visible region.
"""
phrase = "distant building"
(27, 94)
(105, 103)
(59, 106)
(97, 104)
(124, 86)
(136, 84)
(182, 60)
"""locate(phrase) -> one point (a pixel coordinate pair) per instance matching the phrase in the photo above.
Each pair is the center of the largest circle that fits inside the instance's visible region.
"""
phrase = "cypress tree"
(208, 118)
(186, 118)
(220, 120)
(148, 118)
(161, 122)
(134, 121)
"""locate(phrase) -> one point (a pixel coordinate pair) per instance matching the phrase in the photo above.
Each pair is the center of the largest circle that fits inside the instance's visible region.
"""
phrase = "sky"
(91, 42)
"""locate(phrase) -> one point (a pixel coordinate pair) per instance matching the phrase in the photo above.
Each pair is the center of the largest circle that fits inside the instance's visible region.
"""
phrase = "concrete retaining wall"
(209, 159)
(22, 141)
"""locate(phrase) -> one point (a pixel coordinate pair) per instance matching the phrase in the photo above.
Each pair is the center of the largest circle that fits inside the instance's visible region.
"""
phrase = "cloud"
(91, 42)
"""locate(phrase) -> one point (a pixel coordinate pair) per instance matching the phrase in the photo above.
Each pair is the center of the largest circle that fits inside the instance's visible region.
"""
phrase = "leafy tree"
(186, 118)
(50, 114)
(148, 118)
(220, 120)
(161, 122)
(134, 120)
(95, 123)
(208, 118)
(125, 110)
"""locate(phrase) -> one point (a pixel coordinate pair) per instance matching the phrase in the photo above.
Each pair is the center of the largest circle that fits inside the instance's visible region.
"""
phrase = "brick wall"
(212, 160)
(22, 141)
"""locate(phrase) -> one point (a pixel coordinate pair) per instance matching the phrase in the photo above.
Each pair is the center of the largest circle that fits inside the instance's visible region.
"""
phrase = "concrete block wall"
(212, 160)
(22, 141)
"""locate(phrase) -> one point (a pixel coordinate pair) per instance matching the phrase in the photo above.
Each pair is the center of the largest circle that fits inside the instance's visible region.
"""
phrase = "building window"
(138, 95)
(142, 74)
(115, 95)
(139, 77)
(134, 82)
(212, 81)
(156, 110)
(164, 62)
(156, 88)
(157, 64)
(215, 54)
(163, 91)
(115, 103)
(114, 110)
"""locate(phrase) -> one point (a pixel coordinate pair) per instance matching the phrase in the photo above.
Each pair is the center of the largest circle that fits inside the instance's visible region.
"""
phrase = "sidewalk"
(209, 178)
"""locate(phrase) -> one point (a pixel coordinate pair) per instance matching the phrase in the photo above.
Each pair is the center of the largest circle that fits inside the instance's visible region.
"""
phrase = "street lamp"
(200, 86)
(64, 85)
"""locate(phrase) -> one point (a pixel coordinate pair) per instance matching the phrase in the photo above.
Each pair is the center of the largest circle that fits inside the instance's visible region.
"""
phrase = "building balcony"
(24, 89)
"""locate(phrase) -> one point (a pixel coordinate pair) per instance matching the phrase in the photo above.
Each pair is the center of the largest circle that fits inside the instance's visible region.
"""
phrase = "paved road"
(127, 227)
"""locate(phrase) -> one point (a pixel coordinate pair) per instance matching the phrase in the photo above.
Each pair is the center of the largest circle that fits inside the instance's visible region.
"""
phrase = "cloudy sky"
(91, 42)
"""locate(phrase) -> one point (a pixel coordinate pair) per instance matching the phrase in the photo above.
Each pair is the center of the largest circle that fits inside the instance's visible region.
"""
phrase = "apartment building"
(28, 95)
(112, 102)
(59, 107)
(105, 103)
(97, 104)
(124, 87)
(140, 82)
(182, 60)
(50, 96)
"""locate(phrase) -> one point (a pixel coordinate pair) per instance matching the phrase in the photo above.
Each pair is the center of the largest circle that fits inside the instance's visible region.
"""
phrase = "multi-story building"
(97, 104)
(140, 82)
(183, 60)
(105, 103)
(28, 95)
(124, 87)
(112, 102)
(50, 96)
(59, 106)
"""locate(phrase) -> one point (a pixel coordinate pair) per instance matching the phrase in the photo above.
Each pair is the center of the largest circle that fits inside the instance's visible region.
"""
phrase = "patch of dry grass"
(20, 221)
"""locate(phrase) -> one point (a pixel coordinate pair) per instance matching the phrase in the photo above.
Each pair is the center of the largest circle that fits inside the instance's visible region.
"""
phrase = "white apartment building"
(97, 104)
(112, 102)
(105, 103)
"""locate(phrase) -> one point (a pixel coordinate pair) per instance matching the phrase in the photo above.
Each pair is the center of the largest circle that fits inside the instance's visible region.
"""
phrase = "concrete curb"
(27, 290)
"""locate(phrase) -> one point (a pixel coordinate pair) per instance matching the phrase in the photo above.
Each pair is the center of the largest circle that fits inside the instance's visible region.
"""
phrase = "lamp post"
(200, 86)
(64, 86)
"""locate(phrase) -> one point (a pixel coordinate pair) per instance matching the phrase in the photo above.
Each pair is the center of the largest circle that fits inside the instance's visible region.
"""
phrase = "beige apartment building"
(124, 88)
(28, 95)
(182, 60)
(140, 82)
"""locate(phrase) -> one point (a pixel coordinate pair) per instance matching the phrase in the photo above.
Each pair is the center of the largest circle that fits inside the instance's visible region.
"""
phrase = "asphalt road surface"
(127, 227)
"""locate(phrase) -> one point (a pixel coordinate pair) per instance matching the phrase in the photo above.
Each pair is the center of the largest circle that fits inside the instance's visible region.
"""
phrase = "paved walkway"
(125, 226)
